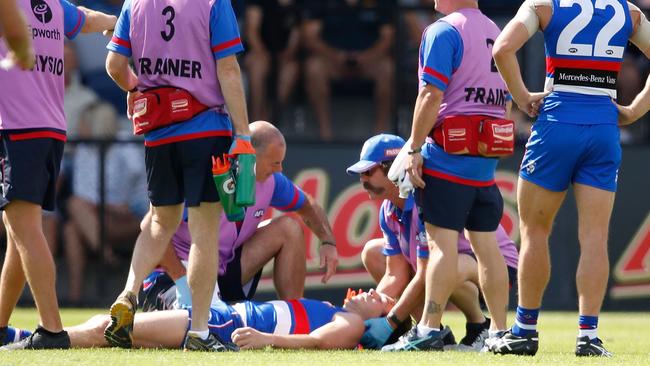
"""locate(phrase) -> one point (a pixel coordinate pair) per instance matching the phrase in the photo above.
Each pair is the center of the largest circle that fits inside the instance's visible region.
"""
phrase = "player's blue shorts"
(559, 154)
(29, 166)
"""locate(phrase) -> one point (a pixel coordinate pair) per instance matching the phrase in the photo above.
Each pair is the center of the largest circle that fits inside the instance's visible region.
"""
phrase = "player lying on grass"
(306, 324)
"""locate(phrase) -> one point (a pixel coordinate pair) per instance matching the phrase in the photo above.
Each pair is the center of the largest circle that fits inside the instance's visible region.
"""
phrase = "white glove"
(397, 172)
(406, 187)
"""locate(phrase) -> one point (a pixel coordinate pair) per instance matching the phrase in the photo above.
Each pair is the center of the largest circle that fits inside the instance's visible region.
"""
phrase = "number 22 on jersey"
(600, 46)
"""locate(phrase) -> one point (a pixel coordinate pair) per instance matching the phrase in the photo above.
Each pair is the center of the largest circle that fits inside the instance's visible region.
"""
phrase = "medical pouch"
(475, 136)
(162, 106)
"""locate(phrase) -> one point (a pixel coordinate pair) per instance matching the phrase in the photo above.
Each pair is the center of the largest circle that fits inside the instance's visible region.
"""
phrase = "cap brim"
(361, 167)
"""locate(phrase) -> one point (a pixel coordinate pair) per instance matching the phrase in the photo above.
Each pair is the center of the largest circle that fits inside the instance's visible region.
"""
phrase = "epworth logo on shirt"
(42, 11)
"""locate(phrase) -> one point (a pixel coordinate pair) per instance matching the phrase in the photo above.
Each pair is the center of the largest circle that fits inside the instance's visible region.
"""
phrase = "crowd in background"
(322, 70)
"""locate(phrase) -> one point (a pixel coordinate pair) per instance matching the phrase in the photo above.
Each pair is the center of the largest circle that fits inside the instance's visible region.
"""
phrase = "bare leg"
(441, 273)
(287, 78)
(373, 259)
(75, 256)
(594, 211)
(158, 227)
(84, 216)
(159, 329)
(466, 293)
(537, 209)
(50, 226)
(203, 259)
(383, 78)
(12, 281)
(258, 65)
(25, 225)
(465, 297)
(283, 240)
(318, 89)
(492, 275)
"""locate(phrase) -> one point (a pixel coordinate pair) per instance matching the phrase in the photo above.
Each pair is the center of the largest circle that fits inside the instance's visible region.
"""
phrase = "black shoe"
(3, 334)
(475, 336)
(510, 344)
(119, 332)
(448, 338)
(591, 347)
(434, 341)
(41, 339)
(212, 344)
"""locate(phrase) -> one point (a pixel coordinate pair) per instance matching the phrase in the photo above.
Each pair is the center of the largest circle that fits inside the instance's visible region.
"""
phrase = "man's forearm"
(13, 27)
(97, 21)
(391, 285)
(295, 341)
(412, 296)
(316, 220)
(641, 103)
(384, 43)
(504, 52)
(511, 73)
(119, 70)
(229, 75)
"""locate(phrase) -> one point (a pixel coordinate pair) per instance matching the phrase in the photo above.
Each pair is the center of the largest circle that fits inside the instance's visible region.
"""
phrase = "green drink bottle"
(245, 192)
(225, 183)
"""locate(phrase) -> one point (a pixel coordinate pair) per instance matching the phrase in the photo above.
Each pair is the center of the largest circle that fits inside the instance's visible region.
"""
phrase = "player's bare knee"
(370, 252)
(99, 321)
(292, 231)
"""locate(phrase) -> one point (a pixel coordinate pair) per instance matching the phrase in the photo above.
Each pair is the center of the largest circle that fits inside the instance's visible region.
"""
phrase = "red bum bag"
(476, 136)
(163, 106)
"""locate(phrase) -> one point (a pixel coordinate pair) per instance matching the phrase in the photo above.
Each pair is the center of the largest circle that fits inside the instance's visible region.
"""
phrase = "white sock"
(495, 333)
(591, 333)
(201, 333)
(423, 330)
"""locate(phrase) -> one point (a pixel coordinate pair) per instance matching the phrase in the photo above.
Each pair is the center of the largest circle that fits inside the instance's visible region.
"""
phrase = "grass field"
(625, 334)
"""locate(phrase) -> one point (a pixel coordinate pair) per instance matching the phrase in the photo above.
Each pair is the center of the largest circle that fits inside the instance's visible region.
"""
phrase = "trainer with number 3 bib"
(187, 91)
(575, 141)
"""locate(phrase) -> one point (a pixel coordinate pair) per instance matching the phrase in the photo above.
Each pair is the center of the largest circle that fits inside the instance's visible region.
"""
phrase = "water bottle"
(245, 192)
(225, 183)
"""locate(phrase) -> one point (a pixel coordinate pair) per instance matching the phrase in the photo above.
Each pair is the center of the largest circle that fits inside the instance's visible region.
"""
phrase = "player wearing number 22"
(179, 47)
(575, 140)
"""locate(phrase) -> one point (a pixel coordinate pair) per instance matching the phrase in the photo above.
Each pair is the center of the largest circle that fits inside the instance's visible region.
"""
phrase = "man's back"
(170, 40)
(585, 43)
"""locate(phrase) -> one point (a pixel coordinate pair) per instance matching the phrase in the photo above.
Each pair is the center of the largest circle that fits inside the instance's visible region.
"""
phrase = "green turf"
(625, 334)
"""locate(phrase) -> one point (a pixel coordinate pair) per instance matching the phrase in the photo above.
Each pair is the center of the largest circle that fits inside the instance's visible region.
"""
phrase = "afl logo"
(41, 11)
(229, 186)
(573, 50)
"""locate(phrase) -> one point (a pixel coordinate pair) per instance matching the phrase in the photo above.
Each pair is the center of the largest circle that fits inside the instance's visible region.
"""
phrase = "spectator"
(125, 196)
(78, 97)
(91, 58)
(273, 40)
(348, 39)
(629, 85)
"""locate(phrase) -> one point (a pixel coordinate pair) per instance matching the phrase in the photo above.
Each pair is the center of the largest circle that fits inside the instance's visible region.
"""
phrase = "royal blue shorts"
(559, 154)
(30, 167)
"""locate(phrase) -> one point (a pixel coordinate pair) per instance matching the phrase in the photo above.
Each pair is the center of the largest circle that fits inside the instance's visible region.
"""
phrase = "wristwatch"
(392, 318)
(415, 151)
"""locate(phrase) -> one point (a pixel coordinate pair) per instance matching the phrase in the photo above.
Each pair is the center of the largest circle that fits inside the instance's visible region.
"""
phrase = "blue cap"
(377, 149)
